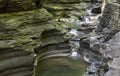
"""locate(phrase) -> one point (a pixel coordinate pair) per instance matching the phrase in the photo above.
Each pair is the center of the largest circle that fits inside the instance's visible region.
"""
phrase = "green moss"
(19, 22)
(60, 1)
(16, 5)
(25, 28)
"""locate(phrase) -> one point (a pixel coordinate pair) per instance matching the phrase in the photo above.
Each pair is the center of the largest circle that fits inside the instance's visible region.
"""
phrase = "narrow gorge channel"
(60, 38)
(80, 52)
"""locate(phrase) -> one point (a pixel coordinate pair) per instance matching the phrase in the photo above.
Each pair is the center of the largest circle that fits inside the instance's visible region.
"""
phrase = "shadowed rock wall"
(110, 18)
(16, 5)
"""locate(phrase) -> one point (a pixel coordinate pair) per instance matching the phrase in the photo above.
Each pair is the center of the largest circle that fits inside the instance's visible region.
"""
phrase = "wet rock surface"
(64, 38)
(20, 34)
(110, 18)
(112, 51)
(56, 58)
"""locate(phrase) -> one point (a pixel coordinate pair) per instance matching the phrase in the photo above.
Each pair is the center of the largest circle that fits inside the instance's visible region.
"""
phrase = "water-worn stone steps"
(22, 71)
(53, 43)
(20, 33)
(16, 62)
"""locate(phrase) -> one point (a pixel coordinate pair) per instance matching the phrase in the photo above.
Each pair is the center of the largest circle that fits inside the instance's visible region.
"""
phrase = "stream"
(85, 57)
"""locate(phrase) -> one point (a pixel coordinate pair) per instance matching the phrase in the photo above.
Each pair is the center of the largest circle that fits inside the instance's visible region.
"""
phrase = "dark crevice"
(38, 3)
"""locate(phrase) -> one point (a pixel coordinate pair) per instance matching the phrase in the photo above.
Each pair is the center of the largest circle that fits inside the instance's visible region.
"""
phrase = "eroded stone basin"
(61, 67)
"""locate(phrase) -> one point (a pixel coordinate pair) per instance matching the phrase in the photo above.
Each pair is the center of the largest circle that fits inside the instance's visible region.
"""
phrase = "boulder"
(24, 27)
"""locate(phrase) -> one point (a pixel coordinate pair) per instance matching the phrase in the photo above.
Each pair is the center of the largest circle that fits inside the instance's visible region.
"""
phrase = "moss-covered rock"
(20, 34)
(64, 8)
(110, 18)
(16, 5)
(24, 27)
(63, 1)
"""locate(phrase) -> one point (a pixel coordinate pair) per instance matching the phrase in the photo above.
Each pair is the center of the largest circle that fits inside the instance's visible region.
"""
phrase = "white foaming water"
(86, 59)
(87, 19)
(73, 32)
(90, 19)
(75, 54)
(89, 11)
(79, 23)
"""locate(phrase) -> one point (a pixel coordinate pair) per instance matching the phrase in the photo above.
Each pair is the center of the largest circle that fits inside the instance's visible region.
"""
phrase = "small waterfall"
(90, 53)
(82, 48)
(74, 45)
(75, 54)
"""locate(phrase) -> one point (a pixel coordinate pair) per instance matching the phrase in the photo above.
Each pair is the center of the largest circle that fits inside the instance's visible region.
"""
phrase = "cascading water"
(94, 41)
(74, 50)
(80, 55)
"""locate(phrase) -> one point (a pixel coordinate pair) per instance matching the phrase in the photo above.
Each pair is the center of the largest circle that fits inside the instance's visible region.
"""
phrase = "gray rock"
(110, 18)
(94, 67)
(113, 51)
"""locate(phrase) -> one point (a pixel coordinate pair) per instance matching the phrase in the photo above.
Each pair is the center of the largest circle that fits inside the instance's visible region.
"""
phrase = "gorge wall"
(33, 36)
(21, 26)
(110, 20)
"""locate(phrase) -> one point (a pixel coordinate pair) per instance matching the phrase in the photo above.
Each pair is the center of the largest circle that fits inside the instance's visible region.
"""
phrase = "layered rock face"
(54, 45)
(110, 18)
(20, 34)
(27, 30)
(113, 51)
(109, 25)
(16, 5)
(64, 8)
(16, 62)
(51, 39)
(22, 28)
(53, 56)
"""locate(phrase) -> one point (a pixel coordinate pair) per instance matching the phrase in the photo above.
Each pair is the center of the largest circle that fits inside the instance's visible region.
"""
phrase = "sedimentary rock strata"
(20, 33)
